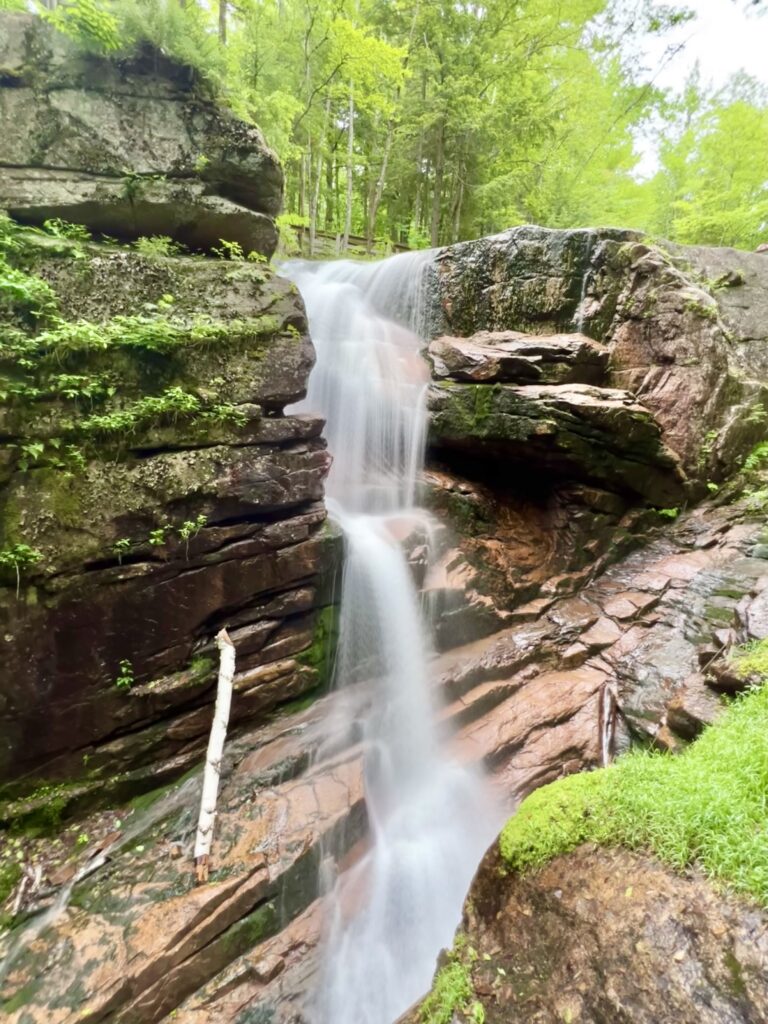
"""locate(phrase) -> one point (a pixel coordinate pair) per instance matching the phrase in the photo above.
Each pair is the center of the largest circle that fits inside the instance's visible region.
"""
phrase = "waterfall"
(430, 819)
(579, 316)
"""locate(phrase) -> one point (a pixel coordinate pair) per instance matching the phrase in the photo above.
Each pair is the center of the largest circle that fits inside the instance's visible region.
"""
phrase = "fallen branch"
(213, 758)
(608, 714)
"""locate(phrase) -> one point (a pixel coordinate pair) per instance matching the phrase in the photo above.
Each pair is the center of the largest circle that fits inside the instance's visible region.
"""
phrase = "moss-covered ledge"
(704, 808)
(151, 490)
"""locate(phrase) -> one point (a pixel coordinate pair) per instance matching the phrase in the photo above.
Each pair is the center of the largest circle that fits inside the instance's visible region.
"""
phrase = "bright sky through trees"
(428, 121)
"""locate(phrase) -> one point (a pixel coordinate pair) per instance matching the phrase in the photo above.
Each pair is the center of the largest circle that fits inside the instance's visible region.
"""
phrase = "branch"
(214, 755)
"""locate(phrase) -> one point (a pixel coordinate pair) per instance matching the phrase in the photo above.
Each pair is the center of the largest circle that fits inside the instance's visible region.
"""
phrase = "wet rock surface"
(574, 431)
(127, 147)
(517, 358)
(526, 703)
(546, 466)
(603, 936)
(683, 328)
(120, 578)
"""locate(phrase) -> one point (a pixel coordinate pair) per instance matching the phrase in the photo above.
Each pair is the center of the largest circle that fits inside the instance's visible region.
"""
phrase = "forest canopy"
(423, 122)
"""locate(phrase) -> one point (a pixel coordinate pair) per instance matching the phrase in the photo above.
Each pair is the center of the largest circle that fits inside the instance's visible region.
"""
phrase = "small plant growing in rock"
(228, 250)
(19, 557)
(65, 229)
(157, 246)
(157, 537)
(190, 528)
(125, 678)
(669, 513)
(121, 547)
(201, 163)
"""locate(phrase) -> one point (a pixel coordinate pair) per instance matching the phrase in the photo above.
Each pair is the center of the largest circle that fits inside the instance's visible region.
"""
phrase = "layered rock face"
(682, 328)
(639, 381)
(164, 494)
(127, 147)
(602, 936)
(151, 487)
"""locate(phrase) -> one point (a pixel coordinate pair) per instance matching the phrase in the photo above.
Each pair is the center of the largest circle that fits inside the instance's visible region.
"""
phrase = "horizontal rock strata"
(174, 500)
(601, 936)
(127, 147)
(598, 435)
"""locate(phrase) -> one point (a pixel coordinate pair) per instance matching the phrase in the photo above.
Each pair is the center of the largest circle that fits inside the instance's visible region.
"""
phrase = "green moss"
(321, 653)
(20, 998)
(248, 932)
(706, 807)
(751, 660)
(453, 990)
(10, 873)
(701, 310)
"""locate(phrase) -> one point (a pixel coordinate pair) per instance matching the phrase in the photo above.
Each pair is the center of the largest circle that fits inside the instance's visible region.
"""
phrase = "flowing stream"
(430, 819)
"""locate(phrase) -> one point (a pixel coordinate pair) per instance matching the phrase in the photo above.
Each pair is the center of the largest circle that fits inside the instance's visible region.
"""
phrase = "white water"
(430, 819)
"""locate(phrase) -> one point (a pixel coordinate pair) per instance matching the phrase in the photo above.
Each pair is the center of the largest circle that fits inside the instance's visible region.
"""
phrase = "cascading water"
(430, 819)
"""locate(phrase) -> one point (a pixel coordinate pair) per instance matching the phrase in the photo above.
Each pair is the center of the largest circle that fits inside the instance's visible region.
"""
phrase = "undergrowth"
(707, 807)
(453, 990)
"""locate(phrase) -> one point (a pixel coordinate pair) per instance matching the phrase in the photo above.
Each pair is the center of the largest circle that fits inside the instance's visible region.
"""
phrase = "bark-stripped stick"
(212, 773)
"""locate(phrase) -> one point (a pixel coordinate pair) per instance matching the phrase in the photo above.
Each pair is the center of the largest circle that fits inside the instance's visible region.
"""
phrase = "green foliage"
(157, 246)
(228, 250)
(451, 990)
(394, 119)
(157, 537)
(87, 22)
(65, 229)
(122, 547)
(190, 528)
(23, 295)
(668, 513)
(750, 660)
(17, 558)
(757, 458)
(125, 677)
(705, 807)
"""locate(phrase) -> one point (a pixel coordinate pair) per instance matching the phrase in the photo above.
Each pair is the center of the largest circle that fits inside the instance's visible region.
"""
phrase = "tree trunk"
(437, 195)
(458, 198)
(302, 184)
(329, 171)
(373, 209)
(212, 773)
(314, 201)
(223, 22)
(350, 177)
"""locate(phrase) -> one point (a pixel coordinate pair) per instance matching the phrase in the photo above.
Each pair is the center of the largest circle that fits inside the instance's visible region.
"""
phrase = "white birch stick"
(212, 772)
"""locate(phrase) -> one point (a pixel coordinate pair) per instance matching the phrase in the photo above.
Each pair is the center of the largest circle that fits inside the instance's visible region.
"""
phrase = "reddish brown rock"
(600, 936)
(516, 358)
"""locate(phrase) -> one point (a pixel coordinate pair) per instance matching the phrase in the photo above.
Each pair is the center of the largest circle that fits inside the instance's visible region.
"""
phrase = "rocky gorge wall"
(590, 391)
(151, 487)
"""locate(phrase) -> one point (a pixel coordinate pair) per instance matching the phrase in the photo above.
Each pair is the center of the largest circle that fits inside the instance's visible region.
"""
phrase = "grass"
(452, 989)
(751, 660)
(707, 807)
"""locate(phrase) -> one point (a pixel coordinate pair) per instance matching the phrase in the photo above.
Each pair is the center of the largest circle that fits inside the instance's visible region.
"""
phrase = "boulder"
(693, 707)
(601, 936)
(684, 326)
(127, 145)
(598, 435)
(516, 358)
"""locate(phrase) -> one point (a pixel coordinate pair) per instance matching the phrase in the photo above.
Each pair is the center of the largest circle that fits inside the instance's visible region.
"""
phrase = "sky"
(725, 37)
